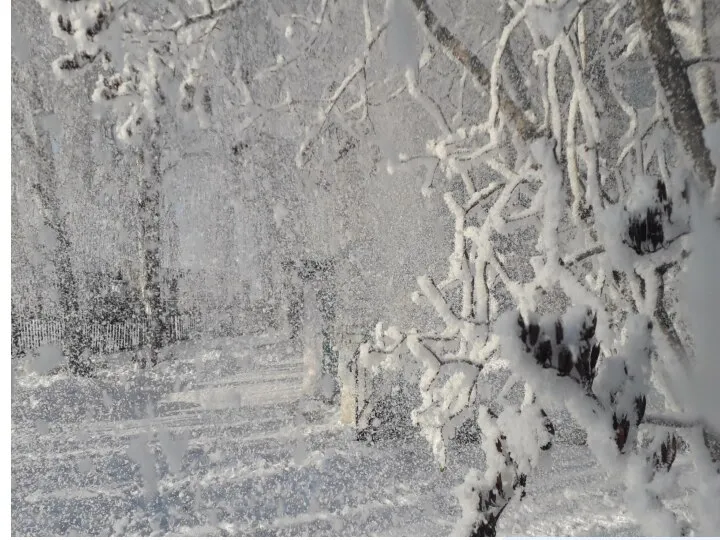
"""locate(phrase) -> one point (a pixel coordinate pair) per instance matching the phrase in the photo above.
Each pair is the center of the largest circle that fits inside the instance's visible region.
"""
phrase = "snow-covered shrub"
(554, 144)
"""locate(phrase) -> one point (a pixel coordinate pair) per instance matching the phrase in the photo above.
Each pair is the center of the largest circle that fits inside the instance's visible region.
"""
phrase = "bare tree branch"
(211, 14)
(514, 113)
(704, 59)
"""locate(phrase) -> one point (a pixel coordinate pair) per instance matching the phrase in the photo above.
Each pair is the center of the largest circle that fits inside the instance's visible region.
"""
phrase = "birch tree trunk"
(54, 219)
(149, 221)
(672, 73)
(693, 31)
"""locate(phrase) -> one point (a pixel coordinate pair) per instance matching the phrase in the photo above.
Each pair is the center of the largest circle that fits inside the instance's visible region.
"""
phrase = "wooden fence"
(30, 334)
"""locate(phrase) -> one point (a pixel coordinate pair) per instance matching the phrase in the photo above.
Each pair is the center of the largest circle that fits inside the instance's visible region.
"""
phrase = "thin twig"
(479, 71)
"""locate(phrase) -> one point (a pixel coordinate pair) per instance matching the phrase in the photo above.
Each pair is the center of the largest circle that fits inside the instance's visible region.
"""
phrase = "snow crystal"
(85, 465)
(174, 449)
(711, 134)
(549, 17)
(401, 39)
(139, 452)
(42, 427)
(280, 212)
(46, 359)
(300, 453)
(703, 299)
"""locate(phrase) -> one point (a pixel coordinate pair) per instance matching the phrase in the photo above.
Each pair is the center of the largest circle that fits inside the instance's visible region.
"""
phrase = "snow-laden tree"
(57, 152)
(149, 59)
(574, 145)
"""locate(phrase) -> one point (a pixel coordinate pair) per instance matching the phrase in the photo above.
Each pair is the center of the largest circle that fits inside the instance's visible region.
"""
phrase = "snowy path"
(217, 443)
(221, 441)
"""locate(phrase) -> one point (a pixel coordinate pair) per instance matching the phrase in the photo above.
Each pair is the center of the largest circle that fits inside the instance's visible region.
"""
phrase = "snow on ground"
(220, 440)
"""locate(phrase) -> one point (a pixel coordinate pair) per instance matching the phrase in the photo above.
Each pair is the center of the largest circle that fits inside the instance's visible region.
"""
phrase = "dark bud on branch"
(664, 457)
(101, 23)
(188, 94)
(75, 61)
(65, 25)
(622, 430)
(645, 232)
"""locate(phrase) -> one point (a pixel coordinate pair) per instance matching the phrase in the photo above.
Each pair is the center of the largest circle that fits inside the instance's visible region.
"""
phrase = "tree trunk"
(54, 220)
(150, 184)
(672, 74)
(698, 46)
(45, 187)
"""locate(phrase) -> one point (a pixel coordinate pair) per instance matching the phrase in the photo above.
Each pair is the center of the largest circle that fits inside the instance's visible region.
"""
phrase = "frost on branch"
(138, 49)
(607, 395)
(649, 212)
(376, 375)
(512, 443)
(576, 197)
(567, 345)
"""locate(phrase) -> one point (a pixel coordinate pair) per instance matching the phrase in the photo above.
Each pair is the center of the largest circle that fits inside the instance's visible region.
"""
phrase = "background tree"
(148, 70)
(38, 143)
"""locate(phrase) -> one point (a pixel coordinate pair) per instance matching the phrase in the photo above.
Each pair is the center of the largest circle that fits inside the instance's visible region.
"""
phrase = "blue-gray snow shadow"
(351, 490)
(283, 469)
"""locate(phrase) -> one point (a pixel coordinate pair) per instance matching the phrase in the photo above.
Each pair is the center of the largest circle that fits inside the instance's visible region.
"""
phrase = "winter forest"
(365, 267)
